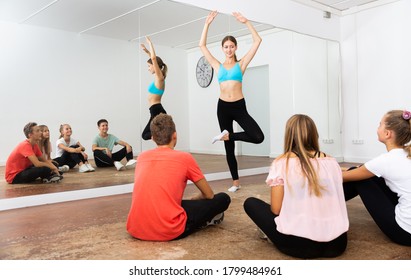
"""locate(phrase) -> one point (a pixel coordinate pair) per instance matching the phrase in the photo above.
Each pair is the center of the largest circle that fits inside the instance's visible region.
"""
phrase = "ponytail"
(399, 121)
(164, 70)
(161, 65)
(61, 131)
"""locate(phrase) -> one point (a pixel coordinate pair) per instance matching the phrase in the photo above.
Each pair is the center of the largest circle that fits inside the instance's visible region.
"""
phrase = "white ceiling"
(343, 7)
(166, 22)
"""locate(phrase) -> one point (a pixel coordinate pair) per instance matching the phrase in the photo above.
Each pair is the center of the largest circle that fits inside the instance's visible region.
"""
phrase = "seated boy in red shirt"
(158, 211)
(26, 162)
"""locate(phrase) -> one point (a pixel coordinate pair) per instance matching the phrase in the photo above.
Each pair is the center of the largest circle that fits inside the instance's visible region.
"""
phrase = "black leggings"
(70, 159)
(380, 202)
(103, 160)
(155, 110)
(199, 212)
(30, 174)
(295, 246)
(227, 112)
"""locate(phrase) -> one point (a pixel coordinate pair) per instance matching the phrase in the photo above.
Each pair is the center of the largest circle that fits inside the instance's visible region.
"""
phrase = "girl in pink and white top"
(384, 183)
(307, 217)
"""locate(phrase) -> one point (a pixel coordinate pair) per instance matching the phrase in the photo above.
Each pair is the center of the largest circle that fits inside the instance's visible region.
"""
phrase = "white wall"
(54, 77)
(376, 72)
(375, 55)
(298, 67)
(45, 73)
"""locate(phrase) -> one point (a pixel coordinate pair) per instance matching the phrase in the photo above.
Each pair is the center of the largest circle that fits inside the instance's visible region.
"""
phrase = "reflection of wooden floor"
(217, 163)
(110, 176)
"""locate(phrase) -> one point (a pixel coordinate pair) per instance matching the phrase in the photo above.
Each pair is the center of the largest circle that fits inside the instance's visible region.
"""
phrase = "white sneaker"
(90, 168)
(83, 168)
(234, 188)
(119, 165)
(64, 168)
(131, 164)
(219, 136)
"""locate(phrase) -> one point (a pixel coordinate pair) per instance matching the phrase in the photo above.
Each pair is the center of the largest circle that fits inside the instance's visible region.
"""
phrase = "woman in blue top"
(157, 67)
(231, 104)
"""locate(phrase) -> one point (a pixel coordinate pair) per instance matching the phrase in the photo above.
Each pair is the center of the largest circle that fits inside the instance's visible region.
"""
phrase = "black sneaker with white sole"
(216, 220)
(52, 179)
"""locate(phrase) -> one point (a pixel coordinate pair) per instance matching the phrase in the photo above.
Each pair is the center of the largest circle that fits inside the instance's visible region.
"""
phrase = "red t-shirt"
(160, 179)
(18, 159)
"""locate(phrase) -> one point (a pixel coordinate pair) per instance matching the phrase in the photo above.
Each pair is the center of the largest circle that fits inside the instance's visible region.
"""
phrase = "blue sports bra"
(154, 90)
(233, 74)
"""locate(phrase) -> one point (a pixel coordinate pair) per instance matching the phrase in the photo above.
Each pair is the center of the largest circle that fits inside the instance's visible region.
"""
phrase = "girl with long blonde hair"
(45, 147)
(307, 215)
(44, 143)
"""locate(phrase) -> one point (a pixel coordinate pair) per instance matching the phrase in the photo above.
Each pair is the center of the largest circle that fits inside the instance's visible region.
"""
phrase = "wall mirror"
(78, 61)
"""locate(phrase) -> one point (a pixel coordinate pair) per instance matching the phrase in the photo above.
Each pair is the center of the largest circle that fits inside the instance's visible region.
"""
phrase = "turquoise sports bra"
(233, 74)
(154, 90)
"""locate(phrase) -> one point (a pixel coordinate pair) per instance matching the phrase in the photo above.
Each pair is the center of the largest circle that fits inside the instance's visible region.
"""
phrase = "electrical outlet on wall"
(358, 141)
(328, 141)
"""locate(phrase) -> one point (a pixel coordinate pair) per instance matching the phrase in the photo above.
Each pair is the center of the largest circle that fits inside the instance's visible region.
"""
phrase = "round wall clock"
(204, 72)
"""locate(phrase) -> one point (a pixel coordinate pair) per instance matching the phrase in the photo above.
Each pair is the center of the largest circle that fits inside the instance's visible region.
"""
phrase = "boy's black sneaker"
(216, 220)
(52, 179)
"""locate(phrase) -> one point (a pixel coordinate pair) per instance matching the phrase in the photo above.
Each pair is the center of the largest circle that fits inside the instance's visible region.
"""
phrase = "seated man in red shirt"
(158, 211)
(26, 162)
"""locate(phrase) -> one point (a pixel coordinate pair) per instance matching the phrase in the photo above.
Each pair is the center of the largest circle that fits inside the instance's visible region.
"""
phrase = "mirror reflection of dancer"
(231, 104)
(157, 67)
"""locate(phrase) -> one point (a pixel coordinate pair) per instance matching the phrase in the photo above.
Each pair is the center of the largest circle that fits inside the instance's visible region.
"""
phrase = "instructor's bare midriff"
(154, 99)
(231, 91)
